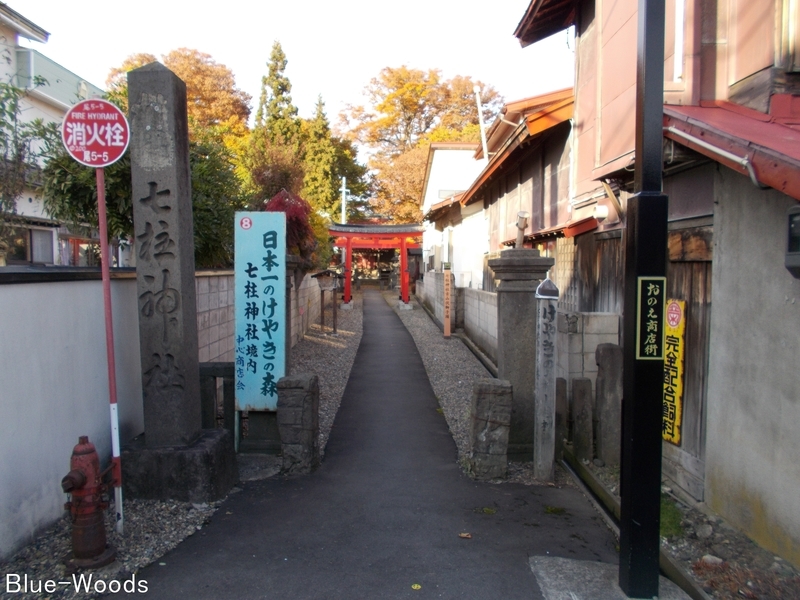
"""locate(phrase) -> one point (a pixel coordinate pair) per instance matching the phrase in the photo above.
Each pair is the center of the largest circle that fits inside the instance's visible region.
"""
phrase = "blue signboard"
(260, 305)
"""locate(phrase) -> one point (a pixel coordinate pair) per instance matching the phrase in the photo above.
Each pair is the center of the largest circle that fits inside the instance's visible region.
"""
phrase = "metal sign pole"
(645, 291)
(112, 375)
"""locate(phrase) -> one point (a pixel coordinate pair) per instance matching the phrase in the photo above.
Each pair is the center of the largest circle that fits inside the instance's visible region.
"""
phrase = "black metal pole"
(645, 288)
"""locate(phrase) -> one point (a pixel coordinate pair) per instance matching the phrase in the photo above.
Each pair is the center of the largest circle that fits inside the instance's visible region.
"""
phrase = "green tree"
(70, 195)
(272, 156)
(18, 157)
(359, 181)
(328, 158)
(276, 114)
(319, 187)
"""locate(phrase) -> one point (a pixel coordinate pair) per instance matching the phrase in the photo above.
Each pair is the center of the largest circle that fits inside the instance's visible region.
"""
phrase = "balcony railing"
(63, 87)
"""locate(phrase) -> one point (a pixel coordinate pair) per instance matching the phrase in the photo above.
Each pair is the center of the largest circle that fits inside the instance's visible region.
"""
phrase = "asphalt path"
(381, 517)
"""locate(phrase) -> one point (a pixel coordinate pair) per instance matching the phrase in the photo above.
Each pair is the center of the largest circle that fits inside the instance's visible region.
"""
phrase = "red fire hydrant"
(85, 483)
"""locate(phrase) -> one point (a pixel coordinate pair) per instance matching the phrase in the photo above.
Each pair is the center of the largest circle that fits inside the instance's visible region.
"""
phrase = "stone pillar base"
(520, 452)
(346, 305)
(298, 422)
(490, 415)
(403, 306)
(200, 472)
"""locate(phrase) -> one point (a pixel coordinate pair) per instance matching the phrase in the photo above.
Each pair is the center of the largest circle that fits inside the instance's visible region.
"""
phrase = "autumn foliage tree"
(406, 110)
(301, 239)
(218, 112)
(212, 98)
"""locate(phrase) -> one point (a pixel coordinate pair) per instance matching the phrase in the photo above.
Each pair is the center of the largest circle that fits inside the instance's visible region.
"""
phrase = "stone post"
(544, 439)
(165, 273)
(562, 416)
(520, 270)
(298, 422)
(609, 402)
(177, 459)
(490, 416)
(582, 436)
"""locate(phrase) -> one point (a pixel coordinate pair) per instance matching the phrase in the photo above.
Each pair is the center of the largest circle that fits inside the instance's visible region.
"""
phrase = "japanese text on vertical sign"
(447, 293)
(650, 318)
(260, 309)
(674, 346)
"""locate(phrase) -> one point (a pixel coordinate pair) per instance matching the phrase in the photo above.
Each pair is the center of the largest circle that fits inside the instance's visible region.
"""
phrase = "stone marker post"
(520, 270)
(177, 458)
(562, 415)
(298, 422)
(609, 402)
(165, 273)
(544, 438)
(490, 415)
(582, 435)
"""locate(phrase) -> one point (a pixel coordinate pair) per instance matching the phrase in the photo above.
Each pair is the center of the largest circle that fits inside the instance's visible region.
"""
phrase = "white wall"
(470, 245)
(452, 170)
(753, 422)
(54, 388)
(54, 381)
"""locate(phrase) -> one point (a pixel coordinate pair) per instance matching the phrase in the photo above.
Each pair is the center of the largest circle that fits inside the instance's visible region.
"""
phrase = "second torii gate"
(376, 237)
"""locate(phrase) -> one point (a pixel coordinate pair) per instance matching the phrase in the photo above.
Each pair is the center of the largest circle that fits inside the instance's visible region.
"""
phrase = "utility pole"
(645, 291)
(344, 220)
(477, 90)
(344, 199)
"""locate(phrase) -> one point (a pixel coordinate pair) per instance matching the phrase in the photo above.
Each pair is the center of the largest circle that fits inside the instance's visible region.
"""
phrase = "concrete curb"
(485, 360)
(605, 500)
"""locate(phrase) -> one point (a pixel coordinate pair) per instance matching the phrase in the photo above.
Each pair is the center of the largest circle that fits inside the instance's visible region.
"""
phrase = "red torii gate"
(376, 237)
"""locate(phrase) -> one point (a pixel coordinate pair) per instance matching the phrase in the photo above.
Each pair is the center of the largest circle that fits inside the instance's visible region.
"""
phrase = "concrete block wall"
(579, 334)
(215, 313)
(431, 292)
(305, 307)
(215, 325)
(480, 320)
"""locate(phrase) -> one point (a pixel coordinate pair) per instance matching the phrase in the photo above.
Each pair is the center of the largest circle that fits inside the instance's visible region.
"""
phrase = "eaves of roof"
(750, 142)
(431, 150)
(24, 27)
(543, 18)
(504, 124)
(441, 208)
(533, 125)
(569, 229)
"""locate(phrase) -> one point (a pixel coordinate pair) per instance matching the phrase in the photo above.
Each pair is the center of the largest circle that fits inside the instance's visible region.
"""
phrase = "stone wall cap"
(301, 380)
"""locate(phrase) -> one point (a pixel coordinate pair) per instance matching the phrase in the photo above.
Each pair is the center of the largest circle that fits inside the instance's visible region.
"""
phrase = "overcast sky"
(334, 47)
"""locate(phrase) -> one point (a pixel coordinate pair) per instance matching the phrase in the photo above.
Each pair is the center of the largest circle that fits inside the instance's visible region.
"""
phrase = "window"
(78, 252)
(27, 246)
(41, 246)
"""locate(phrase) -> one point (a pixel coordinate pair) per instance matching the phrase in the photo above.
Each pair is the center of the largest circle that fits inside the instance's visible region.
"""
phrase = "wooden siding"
(600, 275)
(589, 272)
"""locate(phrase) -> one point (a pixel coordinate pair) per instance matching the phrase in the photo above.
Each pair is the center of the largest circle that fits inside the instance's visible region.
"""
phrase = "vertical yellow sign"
(674, 350)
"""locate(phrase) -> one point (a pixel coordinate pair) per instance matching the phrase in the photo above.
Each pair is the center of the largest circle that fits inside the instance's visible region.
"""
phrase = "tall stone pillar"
(520, 270)
(544, 438)
(165, 273)
(177, 458)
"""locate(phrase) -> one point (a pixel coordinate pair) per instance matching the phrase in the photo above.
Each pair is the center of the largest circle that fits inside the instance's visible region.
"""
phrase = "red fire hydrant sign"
(95, 133)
